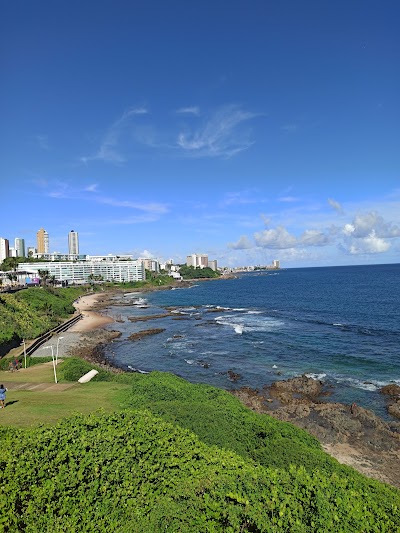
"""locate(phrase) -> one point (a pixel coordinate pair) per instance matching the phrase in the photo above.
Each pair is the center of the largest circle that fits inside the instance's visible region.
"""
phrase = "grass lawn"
(30, 408)
(34, 374)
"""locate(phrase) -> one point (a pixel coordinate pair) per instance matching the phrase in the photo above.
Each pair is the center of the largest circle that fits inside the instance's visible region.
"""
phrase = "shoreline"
(357, 438)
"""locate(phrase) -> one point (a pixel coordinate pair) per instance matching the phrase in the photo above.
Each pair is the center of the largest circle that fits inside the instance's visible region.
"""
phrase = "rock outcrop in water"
(392, 391)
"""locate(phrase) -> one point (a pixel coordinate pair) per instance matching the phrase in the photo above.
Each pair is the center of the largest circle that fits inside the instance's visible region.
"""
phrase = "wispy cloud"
(244, 197)
(221, 135)
(290, 128)
(42, 141)
(152, 207)
(192, 110)
(288, 199)
(109, 148)
(336, 206)
(91, 188)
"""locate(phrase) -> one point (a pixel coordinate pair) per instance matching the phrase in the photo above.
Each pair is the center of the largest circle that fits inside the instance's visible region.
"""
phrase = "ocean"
(337, 324)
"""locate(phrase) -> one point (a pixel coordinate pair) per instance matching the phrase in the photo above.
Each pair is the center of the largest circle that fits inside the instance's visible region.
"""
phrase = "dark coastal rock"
(392, 391)
(300, 389)
(204, 364)
(233, 376)
(145, 333)
(147, 317)
(352, 434)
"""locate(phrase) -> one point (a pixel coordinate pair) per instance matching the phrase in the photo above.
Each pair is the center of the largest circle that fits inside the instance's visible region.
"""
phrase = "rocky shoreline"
(353, 435)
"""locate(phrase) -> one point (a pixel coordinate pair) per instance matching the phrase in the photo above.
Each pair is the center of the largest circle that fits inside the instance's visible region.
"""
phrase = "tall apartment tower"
(42, 238)
(197, 260)
(19, 247)
(73, 243)
(4, 249)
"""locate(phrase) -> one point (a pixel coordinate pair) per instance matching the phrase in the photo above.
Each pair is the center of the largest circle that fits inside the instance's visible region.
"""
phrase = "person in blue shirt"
(3, 391)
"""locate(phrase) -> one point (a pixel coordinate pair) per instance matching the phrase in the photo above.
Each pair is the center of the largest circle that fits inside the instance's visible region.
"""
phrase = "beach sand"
(91, 320)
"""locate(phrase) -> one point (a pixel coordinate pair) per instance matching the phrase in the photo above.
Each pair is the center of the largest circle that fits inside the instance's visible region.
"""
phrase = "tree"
(44, 275)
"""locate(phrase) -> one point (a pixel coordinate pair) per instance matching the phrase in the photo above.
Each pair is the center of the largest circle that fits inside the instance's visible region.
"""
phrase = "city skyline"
(252, 133)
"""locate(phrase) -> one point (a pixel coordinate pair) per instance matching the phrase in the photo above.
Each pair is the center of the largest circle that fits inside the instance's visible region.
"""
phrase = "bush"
(134, 472)
(74, 368)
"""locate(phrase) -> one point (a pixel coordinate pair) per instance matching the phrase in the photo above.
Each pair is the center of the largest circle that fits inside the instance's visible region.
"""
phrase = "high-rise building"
(213, 265)
(4, 249)
(31, 251)
(73, 243)
(20, 247)
(197, 260)
(42, 238)
(276, 263)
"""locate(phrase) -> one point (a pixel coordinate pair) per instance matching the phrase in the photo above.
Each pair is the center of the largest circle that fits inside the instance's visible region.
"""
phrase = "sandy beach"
(91, 320)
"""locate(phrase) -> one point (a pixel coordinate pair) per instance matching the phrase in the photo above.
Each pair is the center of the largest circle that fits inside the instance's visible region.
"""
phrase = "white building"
(213, 265)
(4, 249)
(82, 271)
(73, 243)
(276, 263)
(109, 257)
(197, 260)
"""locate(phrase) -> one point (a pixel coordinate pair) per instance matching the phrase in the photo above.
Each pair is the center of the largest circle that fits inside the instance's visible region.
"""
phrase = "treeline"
(29, 313)
(189, 272)
(182, 457)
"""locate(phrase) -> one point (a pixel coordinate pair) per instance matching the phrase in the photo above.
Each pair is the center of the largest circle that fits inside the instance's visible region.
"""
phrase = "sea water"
(337, 324)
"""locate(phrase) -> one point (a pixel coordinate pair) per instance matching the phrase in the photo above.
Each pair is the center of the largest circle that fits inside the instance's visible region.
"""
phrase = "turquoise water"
(340, 324)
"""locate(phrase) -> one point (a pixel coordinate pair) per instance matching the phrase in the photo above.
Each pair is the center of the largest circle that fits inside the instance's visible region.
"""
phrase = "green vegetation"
(177, 457)
(132, 471)
(31, 312)
(189, 272)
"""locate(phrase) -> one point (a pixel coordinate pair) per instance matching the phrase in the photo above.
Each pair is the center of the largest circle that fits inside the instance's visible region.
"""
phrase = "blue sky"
(250, 131)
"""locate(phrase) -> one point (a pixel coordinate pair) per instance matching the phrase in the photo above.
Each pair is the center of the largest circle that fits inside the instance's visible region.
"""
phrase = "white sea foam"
(274, 366)
(248, 323)
(189, 361)
(368, 385)
(317, 377)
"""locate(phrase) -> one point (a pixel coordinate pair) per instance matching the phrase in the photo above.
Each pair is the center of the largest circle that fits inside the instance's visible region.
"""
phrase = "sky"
(247, 130)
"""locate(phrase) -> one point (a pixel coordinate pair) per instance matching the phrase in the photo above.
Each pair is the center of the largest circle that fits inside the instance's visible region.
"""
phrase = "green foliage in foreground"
(132, 471)
(31, 312)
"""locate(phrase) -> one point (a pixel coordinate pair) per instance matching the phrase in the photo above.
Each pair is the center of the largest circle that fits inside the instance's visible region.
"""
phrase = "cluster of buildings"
(76, 268)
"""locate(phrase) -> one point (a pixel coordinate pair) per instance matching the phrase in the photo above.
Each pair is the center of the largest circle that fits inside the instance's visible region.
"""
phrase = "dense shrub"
(73, 368)
(134, 472)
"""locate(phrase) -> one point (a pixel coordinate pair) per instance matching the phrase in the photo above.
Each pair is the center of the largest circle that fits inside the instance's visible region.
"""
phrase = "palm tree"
(44, 275)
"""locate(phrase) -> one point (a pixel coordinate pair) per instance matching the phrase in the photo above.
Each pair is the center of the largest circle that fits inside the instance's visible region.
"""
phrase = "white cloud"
(108, 150)
(242, 244)
(335, 205)
(91, 188)
(369, 245)
(313, 237)
(192, 110)
(288, 199)
(290, 128)
(277, 238)
(151, 207)
(240, 198)
(220, 136)
(368, 234)
(42, 141)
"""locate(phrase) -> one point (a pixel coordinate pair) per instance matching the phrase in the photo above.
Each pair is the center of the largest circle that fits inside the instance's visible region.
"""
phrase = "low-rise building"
(84, 271)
